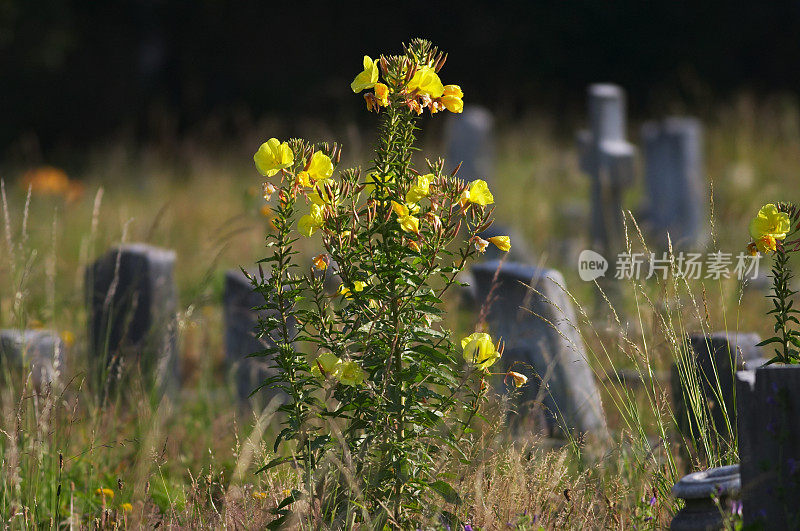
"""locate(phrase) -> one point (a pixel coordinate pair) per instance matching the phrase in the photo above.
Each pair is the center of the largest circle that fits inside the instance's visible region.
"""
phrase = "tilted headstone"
(717, 357)
(133, 314)
(676, 188)
(470, 141)
(241, 319)
(768, 404)
(39, 351)
(700, 490)
(539, 330)
(608, 159)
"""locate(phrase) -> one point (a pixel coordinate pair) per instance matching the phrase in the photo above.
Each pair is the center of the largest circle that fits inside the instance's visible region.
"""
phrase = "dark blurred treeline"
(74, 72)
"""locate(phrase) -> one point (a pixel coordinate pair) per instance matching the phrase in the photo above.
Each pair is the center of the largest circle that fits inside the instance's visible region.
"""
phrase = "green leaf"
(446, 491)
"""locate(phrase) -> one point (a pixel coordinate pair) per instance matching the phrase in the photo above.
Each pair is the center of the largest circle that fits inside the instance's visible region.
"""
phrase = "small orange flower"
(321, 261)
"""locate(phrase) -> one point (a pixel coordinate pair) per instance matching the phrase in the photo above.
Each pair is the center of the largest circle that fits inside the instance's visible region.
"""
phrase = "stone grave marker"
(717, 356)
(698, 490)
(563, 382)
(239, 301)
(470, 141)
(675, 183)
(39, 351)
(768, 404)
(132, 302)
(608, 159)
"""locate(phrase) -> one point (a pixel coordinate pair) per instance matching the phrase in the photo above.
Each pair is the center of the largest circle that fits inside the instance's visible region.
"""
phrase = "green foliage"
(382, 399)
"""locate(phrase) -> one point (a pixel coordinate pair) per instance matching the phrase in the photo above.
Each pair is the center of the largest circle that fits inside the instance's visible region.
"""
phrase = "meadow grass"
(189, 461)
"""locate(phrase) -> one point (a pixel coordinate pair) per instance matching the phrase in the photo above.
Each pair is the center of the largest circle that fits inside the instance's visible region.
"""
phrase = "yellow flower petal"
(501, 242)
(519, 379)
(770, 222)
(320, 167)
(453, 90)
(420, 189)
(367, 78)
(382, 94)
(273, 156)
(479, 350)
(327, 365)
(479, 193)
(426, 82)
(351, 374)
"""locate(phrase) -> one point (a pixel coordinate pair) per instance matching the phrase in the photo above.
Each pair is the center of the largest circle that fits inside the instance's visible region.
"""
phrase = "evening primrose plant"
(774, 230)
(379, 396)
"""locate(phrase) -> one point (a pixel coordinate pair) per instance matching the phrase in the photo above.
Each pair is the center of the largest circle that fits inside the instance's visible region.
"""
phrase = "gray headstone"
(717, 357)
(698, 490)
(470, 141)
(555, 350)
(768, 402)
(133, 314)
(39, 351)
(675, 183)
(608, 159)
(241, 319)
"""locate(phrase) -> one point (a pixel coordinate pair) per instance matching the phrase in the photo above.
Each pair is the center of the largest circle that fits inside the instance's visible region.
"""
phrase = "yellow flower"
(770, 222)
(765, 244)
(309, 223)
(320, 167)
(519, 379)
(321, 261)
(420, 189)
(367, 78)
(273, 156)
(452, 98)
(479, 350)
(345, 291)
(407, 222)
(382, 94)
(350, 374)
(126, 507)
(105, 492)
(479, 193)
(326, 364)
(304, 179)
(426, 82)
(480, 244)
(501, 242)
(260, 495)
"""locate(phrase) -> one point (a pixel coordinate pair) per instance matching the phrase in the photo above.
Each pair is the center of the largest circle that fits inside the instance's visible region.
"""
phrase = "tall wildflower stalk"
(378, 396)
(772, 231)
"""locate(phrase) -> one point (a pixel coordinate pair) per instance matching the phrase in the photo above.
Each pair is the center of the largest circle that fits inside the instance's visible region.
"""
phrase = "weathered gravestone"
(716, 358)
(676, 188)
(699, 490)
(470, 141)
(133, 315)
(608, 159)
(538, 327)
(39, 351)
(241, 318)
(768, 402)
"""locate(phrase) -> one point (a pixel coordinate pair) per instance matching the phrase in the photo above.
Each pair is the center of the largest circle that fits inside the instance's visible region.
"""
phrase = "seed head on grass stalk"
(382, 397)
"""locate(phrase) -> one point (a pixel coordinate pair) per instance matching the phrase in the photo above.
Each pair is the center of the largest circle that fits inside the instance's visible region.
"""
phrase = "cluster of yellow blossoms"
(328, 365)
(423, 90)
(768, 228)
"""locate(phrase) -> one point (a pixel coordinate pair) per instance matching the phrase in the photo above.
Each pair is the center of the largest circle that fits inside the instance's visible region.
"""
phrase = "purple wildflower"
(467, 527)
